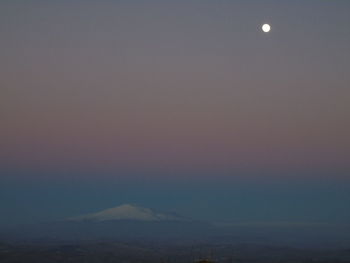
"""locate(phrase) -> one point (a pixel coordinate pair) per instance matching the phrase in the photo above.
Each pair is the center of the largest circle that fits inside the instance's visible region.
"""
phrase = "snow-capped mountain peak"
(128, 212)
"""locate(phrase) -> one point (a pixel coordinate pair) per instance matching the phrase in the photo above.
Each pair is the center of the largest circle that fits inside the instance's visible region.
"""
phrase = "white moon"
(266, 28)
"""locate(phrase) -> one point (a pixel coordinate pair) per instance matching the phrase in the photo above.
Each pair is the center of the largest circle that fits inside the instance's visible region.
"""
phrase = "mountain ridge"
(128, 212)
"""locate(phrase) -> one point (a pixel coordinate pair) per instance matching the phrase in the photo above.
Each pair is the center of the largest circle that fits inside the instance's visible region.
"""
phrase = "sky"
(176, 105)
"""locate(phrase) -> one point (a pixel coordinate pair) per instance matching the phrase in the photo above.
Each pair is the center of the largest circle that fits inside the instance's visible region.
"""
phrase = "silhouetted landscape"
(109, 251)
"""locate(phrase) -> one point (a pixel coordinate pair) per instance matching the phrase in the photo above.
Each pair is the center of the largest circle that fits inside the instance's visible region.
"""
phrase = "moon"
(266, 28)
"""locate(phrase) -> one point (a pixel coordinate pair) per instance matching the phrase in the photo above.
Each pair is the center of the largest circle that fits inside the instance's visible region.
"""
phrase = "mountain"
(132, 223)
(122, 223)
(128, 212)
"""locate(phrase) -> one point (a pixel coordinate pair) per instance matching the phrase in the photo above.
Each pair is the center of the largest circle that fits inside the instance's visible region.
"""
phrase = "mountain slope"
(128, 212)
(125, 222)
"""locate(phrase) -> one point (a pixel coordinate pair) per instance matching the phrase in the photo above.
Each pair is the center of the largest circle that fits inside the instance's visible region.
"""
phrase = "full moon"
(266, 28)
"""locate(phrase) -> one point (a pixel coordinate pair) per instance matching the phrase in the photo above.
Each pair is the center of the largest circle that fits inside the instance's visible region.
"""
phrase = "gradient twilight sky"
(160, 102)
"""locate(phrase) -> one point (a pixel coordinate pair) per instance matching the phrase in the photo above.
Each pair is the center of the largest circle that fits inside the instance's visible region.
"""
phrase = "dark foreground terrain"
(108, 251)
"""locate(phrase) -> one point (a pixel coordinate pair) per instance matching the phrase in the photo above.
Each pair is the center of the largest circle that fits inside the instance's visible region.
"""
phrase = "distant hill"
(129, 212)
(125, 222)
(133, 223)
